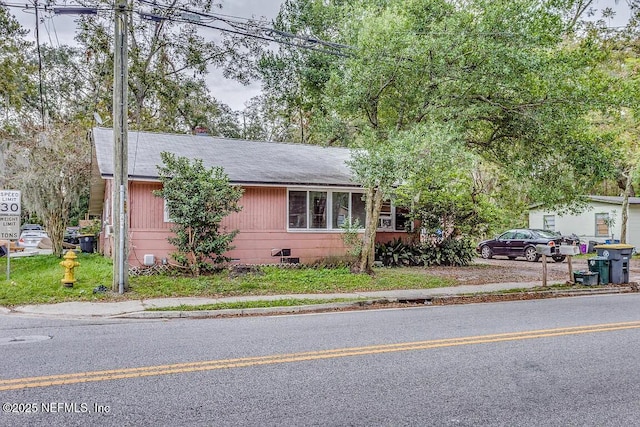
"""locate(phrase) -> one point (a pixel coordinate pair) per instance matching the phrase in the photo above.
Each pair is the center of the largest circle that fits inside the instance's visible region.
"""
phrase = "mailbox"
(569, 250)
(544, 250)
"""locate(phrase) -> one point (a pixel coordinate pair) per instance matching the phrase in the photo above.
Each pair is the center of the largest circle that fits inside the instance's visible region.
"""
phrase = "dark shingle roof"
(245, 162)
(614, 200)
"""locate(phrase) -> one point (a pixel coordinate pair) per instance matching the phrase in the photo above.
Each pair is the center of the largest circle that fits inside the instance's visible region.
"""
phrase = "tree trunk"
(625, 207)
(56, 226)
(192, 255)
(372, 208)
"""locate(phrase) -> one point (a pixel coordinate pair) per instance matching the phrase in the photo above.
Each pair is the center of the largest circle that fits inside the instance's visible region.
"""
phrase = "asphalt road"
(571, 361)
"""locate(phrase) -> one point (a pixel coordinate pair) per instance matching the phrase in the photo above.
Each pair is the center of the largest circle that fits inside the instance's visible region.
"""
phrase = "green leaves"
(434, 251)
(198, 199)
(15, 67)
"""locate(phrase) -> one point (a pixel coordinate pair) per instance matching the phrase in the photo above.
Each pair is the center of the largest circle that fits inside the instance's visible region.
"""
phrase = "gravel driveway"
(503, 270)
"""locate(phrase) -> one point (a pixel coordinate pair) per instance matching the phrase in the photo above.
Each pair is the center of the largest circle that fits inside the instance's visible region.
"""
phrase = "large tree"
(17, 89)
(294, 77)
(453, 192)
(502, 74)
(52, 168)
(618, 117)
(168, 62)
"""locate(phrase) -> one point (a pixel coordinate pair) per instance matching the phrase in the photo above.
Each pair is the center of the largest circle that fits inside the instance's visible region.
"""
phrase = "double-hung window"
(549, 222)
(165, 212)
(324, 210)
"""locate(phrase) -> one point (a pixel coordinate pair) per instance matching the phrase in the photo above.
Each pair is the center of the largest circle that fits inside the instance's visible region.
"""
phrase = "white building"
(600, 222)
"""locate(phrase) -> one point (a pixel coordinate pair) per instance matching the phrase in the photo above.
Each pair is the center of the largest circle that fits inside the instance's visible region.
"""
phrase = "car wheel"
(485, 252)
(559, 258)
(531, 255)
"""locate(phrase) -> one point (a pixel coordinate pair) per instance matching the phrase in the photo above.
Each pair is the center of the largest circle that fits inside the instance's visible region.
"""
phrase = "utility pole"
(119, 190)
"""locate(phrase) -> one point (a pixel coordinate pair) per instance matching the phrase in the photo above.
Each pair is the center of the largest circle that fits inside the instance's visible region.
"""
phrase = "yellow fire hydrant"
(69, 264)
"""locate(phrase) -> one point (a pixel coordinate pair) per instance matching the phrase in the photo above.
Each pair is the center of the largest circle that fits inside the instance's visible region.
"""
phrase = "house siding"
(633, 226)
(263, 209)
(147, 210)
(584, 223)
(262, 225)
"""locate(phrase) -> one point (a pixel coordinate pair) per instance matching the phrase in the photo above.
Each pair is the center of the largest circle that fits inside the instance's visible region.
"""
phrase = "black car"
(521, 242)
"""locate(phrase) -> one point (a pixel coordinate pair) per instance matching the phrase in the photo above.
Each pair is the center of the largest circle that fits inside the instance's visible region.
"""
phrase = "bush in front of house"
(447, 252)
(197, 200)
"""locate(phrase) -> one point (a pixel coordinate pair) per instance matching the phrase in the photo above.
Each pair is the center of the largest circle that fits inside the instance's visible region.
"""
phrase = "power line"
(244, 27)
(241, 26)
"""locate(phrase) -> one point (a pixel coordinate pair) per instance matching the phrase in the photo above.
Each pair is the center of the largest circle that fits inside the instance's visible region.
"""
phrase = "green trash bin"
(600, 265)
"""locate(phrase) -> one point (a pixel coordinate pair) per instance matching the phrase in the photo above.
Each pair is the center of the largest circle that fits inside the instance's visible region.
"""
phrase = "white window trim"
(165, 211)
(329, 208)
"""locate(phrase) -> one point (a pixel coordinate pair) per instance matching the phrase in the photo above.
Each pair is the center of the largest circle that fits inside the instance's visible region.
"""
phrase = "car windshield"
(31, 227)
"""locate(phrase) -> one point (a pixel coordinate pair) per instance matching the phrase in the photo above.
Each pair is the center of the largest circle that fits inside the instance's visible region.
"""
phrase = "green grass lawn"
(36, 280)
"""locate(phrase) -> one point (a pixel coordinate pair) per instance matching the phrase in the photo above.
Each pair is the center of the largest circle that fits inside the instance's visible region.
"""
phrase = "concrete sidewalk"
(136, 308)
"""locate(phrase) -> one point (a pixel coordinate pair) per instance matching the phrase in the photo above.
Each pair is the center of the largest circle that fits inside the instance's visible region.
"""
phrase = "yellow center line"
(209, 365)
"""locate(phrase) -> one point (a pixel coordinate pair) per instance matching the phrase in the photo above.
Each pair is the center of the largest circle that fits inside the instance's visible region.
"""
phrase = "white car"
(31, 238)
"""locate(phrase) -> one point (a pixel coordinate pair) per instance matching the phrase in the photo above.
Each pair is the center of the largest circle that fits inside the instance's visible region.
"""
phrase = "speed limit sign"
(10, 209)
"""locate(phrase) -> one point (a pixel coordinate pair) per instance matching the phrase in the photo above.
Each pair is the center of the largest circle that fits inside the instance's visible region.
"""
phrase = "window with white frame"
(340, 209)
(332, 209)
(357, 209)
(166, 218)
(324, 210)
(317, 209)
(549, 222)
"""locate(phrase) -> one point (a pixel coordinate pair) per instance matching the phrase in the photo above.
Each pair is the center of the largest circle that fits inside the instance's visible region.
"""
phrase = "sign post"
(10, 208)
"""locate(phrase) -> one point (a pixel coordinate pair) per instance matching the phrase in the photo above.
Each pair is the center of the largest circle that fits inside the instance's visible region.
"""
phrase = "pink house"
(295, 198)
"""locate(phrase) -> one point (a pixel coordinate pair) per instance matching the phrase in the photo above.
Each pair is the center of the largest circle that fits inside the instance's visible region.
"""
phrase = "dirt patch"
(485, 271)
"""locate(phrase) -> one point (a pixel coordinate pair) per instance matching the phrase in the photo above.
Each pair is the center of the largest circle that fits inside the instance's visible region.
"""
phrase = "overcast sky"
(57, 30)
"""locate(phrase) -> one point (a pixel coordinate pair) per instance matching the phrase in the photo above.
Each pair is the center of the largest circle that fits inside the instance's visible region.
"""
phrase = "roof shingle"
(245, 162)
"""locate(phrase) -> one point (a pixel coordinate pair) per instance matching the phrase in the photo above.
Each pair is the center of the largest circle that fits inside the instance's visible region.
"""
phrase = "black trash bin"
(618, 256)
(87, 244)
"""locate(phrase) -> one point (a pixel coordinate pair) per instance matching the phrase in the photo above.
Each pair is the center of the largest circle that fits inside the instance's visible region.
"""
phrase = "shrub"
(448, 252)
(397, 253)
(198, 199)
